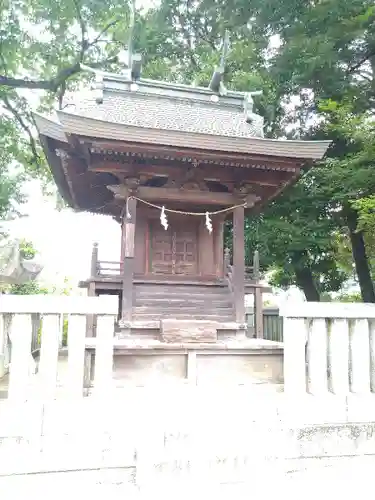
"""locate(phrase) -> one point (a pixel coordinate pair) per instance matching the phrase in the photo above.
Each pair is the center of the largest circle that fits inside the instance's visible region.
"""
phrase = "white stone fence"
(329, 348)
(186, 440)
(16, 313)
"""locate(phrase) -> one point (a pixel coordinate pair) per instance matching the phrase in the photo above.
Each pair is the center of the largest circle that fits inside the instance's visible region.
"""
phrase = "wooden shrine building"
(171, 163)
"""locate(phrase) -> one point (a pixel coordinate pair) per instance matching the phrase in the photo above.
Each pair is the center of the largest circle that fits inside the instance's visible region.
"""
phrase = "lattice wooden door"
(174, 251)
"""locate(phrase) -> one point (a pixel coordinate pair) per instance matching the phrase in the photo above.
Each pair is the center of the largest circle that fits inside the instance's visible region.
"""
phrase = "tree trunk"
(360, 258)
(305, 281)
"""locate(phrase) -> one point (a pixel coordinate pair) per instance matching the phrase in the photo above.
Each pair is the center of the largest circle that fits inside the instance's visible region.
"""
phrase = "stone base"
(191, 331)
(183, 330)
(250, 361)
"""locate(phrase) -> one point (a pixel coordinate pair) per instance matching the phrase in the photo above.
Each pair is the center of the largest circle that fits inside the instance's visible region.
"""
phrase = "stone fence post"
(329, 347)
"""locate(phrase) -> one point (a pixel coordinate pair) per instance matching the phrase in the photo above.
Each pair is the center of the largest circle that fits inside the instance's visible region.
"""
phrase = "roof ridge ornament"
(134, 62)
(216, 83)
(248, 106)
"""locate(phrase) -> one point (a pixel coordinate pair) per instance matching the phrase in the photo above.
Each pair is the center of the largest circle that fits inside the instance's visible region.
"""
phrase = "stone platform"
(236, 360)
(218, 356)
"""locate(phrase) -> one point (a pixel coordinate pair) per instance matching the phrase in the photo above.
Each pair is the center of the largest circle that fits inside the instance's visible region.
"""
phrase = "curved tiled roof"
(157, 112)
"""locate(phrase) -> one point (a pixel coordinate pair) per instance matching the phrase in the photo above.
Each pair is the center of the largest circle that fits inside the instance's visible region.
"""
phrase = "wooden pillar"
(128, 256)
(205, 251)
(258, 299)
(219, 246)
(122, 250)
(94, 260)
(239, 263)
(91, 321)
(91, 290)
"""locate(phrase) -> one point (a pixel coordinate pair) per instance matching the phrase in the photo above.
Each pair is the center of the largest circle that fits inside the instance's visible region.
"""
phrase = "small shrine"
(172, 163)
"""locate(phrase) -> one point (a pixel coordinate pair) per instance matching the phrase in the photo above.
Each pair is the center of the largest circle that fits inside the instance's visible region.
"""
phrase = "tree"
(42, 46)
(349, 177)
(315, 60)
(294, 237)
(10, 194)
(182, 41)
(366, 216)
(29, 288)
(326, 54)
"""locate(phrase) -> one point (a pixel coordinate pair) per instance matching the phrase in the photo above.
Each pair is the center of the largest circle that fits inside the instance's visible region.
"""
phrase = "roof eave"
(89, 127)
(57, 170)
(49, 127)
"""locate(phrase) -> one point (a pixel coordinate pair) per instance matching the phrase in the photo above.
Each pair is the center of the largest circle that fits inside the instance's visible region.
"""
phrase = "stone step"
(184, 307)
(177, 302)
(181, 289)
(181, 315)
(182, 295)
(186, 313)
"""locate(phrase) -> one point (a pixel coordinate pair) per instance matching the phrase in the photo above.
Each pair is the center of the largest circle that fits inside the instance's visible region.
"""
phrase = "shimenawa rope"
(163, 210)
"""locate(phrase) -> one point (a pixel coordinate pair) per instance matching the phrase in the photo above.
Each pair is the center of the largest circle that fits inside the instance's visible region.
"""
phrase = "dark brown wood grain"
(239, 263)
(128, 266)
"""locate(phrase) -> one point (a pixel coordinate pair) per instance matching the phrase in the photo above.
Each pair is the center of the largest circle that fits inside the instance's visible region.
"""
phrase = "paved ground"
(344, 479)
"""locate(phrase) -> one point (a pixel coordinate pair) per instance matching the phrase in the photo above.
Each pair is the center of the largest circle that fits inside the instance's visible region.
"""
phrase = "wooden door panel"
(186, 251)
(161, 249)
(174, 251)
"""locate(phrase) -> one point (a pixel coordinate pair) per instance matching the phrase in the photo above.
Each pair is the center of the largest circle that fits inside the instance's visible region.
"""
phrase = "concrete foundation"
(248, 361)
(146, 443)
(142, 362)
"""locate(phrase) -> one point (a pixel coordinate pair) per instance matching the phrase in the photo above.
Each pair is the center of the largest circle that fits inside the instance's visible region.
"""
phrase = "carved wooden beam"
(206, 172)
(187, 196)
(81, 148)
(132, 184)
(64, 159)
(201, 156)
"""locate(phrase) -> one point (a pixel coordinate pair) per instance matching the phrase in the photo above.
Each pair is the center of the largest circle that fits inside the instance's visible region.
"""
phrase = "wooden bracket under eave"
(180, 195)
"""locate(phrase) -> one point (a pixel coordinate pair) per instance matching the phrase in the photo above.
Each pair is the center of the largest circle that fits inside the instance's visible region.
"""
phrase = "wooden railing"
(329, 348)
(252, 273)
(108, 269)
(272, 323)
(38, 378)
(104, 268)
(252, 278)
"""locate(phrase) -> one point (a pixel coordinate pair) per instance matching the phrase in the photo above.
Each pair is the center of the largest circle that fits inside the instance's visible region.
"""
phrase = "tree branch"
(368, 55)
(54, 83)
(208, 41)
(23, 125)
(104, 30)
(84, 43)
(25, 83)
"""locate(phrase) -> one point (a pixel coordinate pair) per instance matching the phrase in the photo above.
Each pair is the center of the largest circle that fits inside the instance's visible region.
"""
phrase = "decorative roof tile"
(158, 112)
